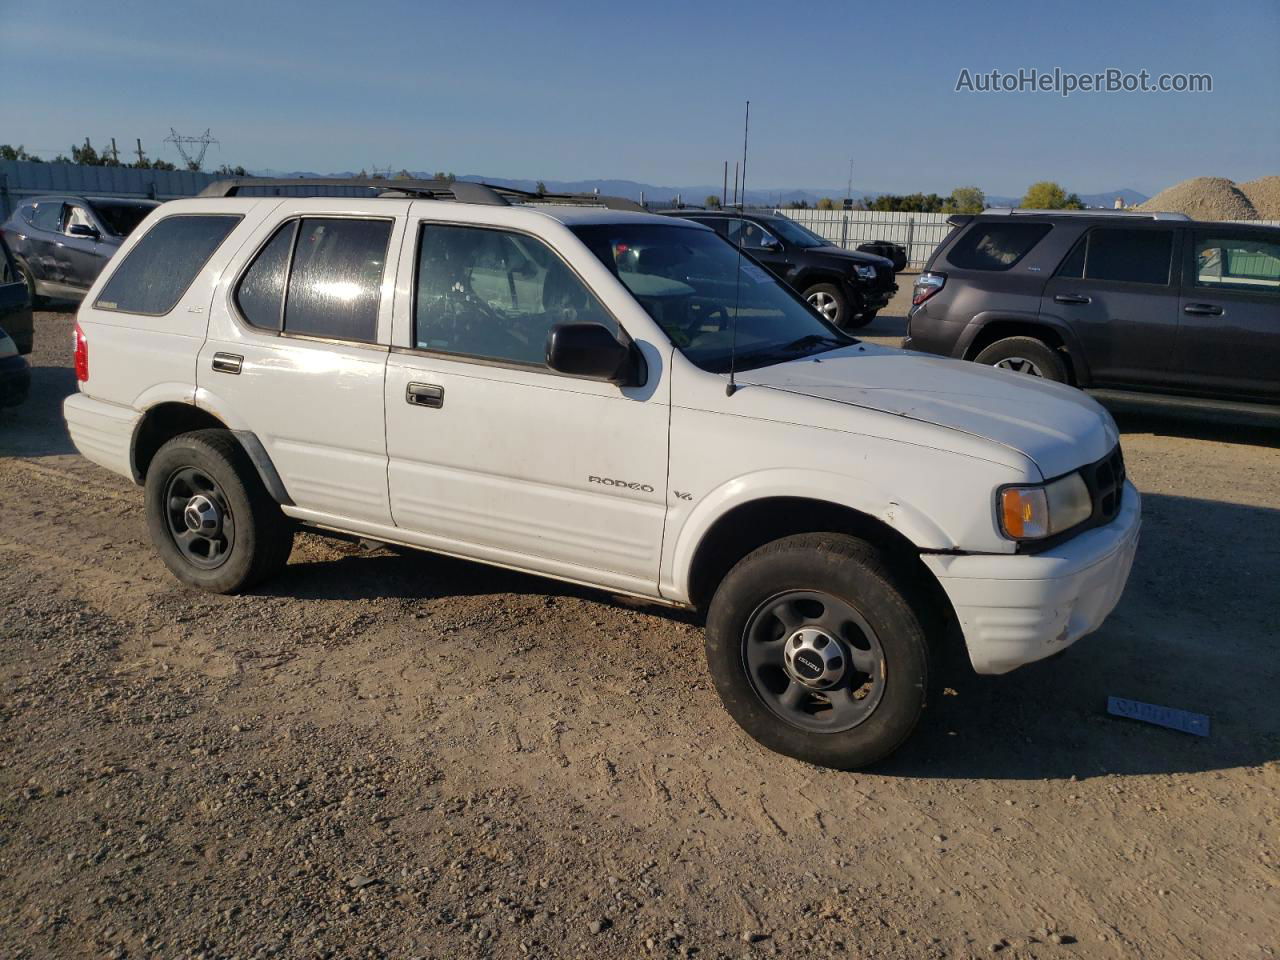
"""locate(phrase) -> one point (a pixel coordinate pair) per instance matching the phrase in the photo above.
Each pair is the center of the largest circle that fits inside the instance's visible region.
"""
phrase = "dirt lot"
(383, 755)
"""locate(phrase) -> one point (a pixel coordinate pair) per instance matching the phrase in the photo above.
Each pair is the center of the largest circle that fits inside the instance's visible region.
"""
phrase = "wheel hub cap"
(201, 515)
(1020, 365)
(815, 658)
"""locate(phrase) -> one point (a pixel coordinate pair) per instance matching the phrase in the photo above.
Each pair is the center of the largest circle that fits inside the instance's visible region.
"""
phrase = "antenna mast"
(732, 387)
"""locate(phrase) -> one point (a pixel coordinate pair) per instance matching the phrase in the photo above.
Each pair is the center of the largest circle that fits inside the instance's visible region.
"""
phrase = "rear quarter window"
(995, 246)
(162, 265)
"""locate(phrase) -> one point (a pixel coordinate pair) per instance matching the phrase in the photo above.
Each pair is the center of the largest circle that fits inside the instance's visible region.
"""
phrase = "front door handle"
(227, 362)
(1203, 310)
(1070, 298)
(424, 395)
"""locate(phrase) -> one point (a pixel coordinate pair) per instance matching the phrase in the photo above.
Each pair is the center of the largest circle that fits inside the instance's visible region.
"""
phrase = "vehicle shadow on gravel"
(1196, 629)
(1256, 430)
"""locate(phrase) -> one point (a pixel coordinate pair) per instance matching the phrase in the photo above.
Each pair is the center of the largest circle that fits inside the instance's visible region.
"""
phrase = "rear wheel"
(816, 653)
(30, 281)
(1026, 355)
(210, 517)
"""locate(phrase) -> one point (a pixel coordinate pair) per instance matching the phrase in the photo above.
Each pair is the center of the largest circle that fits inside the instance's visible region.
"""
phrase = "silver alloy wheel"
(825, 304)
(1020, 365)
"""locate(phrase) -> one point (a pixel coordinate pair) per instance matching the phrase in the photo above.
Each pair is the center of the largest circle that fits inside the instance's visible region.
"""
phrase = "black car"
(845, 286)
(1155, 303)
(15, 303)
(62, 243)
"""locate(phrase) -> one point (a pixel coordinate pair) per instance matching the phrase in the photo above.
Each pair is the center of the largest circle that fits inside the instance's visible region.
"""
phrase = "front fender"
(835, 488)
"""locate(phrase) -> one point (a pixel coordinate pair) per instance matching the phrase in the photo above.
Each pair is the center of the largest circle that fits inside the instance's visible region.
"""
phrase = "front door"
(297, 351)
(760, 243)
(1229, 331)
(1118, 293)
(492, 455)
(81, 257)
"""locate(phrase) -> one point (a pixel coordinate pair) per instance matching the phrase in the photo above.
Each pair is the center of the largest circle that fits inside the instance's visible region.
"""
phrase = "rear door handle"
(424, 395)
(227, 362)
(1203, 310)
(1070, 298)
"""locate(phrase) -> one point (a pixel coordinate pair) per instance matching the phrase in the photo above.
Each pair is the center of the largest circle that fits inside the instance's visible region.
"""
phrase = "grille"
(1105, 480)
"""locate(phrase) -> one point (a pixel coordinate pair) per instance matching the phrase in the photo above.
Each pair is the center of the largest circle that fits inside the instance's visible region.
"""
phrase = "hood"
(1057, 427)
(853, 256)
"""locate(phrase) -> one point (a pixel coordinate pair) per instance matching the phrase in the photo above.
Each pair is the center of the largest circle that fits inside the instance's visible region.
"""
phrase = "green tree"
(236, 171)
(86, 155)
(17, 153)
(712, 202)
(1047, 195)
(1073, 202)
(441, 175)
(965, 200)
(540, 189)
(826, 203)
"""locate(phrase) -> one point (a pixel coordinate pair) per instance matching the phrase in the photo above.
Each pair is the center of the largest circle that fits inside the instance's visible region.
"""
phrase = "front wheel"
(830, 301)
(816, 653)
(210, 517)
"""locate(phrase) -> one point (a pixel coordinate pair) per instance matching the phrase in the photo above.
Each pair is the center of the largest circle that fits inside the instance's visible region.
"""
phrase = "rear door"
(297, 350)
(1118, 293)
(46, 231)
(1229, 332)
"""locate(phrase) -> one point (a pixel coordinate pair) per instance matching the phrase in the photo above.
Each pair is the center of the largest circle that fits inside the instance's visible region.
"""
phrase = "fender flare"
(1068, 336)
(835, 488)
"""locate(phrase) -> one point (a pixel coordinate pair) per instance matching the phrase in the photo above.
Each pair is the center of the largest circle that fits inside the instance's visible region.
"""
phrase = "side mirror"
(770, 243)
(82, 230)
(590, 350)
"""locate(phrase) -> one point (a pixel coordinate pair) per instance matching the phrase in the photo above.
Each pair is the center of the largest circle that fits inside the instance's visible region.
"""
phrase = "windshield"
(121, 218)
(689, 282)
(792, 232)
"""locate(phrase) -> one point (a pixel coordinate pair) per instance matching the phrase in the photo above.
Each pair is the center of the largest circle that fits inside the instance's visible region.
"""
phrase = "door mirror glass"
(82, 230)
(590, 350)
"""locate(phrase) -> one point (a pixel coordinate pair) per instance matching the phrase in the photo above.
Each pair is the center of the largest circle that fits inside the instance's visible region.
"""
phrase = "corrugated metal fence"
(918, 232)
(21, 179)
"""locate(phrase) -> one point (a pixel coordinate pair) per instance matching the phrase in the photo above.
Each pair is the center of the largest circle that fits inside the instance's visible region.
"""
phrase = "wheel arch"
(164, 421)
(1057, 335)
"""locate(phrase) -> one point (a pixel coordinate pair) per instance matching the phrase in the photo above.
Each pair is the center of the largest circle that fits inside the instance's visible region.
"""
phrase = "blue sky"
(654, 91)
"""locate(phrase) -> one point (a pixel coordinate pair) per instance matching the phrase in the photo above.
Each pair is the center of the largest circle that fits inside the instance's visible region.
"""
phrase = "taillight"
(82, 356)
(927, 284)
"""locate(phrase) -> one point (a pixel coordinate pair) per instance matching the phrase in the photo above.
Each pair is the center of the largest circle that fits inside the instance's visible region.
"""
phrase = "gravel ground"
(386, 755)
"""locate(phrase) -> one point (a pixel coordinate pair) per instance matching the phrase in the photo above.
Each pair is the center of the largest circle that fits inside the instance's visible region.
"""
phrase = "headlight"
(1033, 513)
(865, 271)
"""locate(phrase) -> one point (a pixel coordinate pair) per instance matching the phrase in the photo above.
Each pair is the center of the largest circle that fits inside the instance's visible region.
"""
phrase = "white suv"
(608, 398)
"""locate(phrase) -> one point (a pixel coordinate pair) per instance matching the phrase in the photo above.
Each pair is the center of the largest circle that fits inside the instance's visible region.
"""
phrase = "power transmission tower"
(194, 160)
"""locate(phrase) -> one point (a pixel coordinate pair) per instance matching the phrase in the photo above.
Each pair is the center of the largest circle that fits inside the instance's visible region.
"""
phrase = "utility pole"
(735, 180)
(115, 154)
(849, 190)
(724, 191)
(141, 159)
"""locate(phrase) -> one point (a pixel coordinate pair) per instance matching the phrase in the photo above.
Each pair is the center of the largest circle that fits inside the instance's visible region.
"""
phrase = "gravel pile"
(1264, 194)
(1204, 198)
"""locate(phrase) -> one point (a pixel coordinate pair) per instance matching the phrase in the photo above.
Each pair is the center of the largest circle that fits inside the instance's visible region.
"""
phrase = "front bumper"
(15, 381)
(1015, 609)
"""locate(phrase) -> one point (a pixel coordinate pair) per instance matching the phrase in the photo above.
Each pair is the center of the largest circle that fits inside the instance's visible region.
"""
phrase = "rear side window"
(1237, 263)
(335, 283)
(162, 265)
(1129, 256)
(995, 246)
(48, 215)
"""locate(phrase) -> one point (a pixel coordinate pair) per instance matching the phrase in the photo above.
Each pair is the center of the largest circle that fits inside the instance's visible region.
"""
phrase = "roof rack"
(460, 191)
(1100, 212)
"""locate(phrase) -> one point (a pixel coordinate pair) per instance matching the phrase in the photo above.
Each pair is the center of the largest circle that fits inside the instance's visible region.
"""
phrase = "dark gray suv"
(1155, 303)
(62, 243)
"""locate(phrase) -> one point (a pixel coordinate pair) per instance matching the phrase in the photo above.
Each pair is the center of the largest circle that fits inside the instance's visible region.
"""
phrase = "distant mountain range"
(697, 193)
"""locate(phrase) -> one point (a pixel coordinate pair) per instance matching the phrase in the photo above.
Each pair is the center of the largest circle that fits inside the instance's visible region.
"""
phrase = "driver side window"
(750, 236)
(75, 216)
(495, 294)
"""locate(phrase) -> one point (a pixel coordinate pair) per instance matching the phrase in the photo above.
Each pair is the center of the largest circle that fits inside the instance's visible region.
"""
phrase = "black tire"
(1026, 355)
(849, 572)
(830, 301)
(257, 536)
